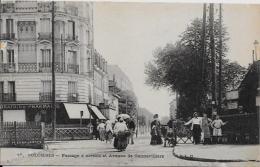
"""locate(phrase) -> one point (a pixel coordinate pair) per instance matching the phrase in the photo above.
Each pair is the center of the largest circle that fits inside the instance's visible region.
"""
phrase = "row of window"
(46, 87)
(27, 29)
(46, 57)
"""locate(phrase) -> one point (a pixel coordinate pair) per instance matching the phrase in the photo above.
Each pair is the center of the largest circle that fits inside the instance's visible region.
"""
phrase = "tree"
(182, 68)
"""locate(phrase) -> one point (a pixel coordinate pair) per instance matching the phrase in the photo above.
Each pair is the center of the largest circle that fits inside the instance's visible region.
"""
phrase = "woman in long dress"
(156, 131)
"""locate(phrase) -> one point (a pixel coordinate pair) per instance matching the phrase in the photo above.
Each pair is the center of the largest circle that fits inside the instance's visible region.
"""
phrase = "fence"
(181, 133)
(21, 134)
(68, 132)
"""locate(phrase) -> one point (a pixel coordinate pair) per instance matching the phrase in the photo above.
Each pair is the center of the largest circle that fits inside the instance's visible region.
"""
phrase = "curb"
(191, 158)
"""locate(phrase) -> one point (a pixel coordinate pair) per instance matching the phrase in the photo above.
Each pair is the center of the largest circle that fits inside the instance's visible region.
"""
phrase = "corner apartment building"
(26, 57)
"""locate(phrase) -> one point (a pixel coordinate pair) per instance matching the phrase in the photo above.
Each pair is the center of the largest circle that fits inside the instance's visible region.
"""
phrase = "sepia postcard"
(129, 83)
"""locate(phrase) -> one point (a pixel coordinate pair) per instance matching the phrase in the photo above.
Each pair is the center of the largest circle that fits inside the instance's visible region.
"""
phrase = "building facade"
(26, 57)
(119, 78)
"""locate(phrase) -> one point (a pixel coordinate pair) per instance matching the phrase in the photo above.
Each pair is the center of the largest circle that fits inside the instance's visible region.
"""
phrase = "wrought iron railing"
(45, 96)
(44, 6)
(7, 8)
(27, 67)
(7, 36)
(7, 97)
(73, 68)
(7, 67)
(72, 97)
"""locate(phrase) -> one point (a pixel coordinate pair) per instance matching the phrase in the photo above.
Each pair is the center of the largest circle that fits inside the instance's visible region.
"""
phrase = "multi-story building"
(100, 80)
(26, 57)
(119, 78)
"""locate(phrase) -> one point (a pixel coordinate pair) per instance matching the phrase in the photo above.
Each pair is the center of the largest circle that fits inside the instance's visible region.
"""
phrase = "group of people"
(201, 128)
(106, 130)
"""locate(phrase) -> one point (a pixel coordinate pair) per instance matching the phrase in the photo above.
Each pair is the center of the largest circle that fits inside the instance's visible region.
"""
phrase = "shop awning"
(97, 112)
(74, 110)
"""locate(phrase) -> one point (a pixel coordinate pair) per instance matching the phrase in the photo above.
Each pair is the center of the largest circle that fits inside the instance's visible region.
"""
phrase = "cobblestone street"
(93, 153)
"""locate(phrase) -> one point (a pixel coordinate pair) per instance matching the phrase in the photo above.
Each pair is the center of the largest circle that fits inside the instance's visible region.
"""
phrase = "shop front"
(25, 112)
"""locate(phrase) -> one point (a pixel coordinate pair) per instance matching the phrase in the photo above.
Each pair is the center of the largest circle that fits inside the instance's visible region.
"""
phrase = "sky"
(127, 33)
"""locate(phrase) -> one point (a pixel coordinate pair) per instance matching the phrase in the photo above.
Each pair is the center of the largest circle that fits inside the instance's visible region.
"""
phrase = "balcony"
(27, 67)
(44, 6)
(72, 97)
(73, 68)
(7, 97)
(45, 96)
(7, 36)
(7, 68)
(44, 36)
(8, 8)
(47, 67)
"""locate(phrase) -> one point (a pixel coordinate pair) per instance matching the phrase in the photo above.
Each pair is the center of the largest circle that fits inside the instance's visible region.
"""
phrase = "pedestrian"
(205, 123)
(95, 131)
(156, 131)
(131, 127)
(195, 127)
(120, 132)
(109, 131)
(217, 132)
(101, 130)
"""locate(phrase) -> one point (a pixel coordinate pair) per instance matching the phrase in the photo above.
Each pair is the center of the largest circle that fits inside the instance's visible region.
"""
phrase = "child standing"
(217, 132)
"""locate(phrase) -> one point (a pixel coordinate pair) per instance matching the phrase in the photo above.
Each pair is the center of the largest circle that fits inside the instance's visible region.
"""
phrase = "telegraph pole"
(203, 54)
(220, 60)
(203, 41)
(213, 58)
(53, 74)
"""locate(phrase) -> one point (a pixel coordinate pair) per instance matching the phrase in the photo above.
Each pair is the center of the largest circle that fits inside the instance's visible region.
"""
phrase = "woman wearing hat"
(156, 131)
(195, 127)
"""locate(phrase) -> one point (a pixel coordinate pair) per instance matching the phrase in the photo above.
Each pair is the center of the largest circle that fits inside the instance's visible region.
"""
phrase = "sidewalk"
(10, 154)
(218, 153)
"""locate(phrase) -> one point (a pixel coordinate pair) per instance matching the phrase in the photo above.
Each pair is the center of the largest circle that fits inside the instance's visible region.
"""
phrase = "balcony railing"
(7, 8)
(7, 67)
(45, 96)
(73, 68)
(44, 36)
(47, 67)
(72, 97)
(7, 36)
(43, 67)
(27, 67)
(7, 97)
(44, 6)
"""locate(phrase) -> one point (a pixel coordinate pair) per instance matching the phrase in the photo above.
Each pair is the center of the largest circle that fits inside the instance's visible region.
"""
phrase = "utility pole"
(220, 60)
(203, 48)
(53, 74)
(213, 58)
(203, 53)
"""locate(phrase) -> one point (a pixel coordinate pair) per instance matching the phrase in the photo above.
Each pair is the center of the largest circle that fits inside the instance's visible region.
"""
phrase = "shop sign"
(24, 106)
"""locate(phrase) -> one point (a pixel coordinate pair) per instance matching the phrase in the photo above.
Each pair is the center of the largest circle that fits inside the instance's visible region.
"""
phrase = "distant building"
(100, 80)
(118, 77)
